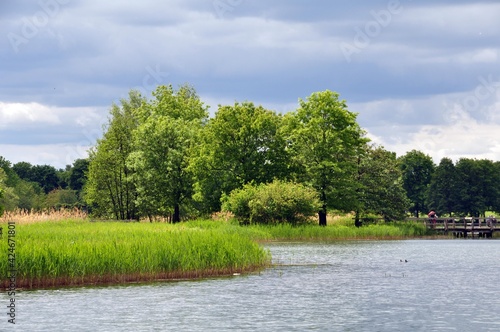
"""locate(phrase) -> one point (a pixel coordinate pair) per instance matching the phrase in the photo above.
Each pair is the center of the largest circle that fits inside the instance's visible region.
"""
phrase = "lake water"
(446, 285)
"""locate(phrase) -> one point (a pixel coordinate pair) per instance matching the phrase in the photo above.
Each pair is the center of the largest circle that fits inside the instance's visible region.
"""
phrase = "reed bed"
(73, 252)
(335, 231)
(33, 216)
(284, 232)
(78, 252)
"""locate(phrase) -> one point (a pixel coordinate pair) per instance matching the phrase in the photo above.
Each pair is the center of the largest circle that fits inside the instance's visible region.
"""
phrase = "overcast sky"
(421, 74)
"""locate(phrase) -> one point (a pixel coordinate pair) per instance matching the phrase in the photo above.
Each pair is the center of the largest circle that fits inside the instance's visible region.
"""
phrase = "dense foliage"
(325, 142)
(34, 187)
(417, 169)
(241, 144)
(109, 190)
(164, 157)
(380, 188)
(272, 203)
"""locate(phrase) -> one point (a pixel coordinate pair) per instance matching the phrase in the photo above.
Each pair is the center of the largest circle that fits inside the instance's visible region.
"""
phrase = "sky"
(421, 75)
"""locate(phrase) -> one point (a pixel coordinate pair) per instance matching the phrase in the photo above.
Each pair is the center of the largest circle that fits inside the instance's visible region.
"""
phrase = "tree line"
(469, 187)
(34, 187)
(165, 157)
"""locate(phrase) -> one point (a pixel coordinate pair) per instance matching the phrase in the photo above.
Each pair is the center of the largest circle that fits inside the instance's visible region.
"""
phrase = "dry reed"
(27, 217)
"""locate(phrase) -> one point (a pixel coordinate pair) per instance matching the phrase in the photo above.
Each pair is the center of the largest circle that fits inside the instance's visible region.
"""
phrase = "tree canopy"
(110, 190)
(163, 146)
(165, 157)
(325, 141)
(241, 144)
(417, 169)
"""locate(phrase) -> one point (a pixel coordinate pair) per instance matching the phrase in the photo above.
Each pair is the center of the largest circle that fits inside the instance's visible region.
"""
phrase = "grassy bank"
(315, 233)
(286, 232)
(77, 252)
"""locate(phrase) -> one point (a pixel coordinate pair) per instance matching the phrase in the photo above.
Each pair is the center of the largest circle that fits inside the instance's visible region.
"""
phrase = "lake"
(445, 285)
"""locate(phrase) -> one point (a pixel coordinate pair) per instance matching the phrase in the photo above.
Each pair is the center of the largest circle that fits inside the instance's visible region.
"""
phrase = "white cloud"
(57, 155)
(459, 133)
(14, 114)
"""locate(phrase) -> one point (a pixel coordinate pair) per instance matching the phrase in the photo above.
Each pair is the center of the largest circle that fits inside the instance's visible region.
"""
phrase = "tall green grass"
(337, 231)
(77, 252)
(341, 232)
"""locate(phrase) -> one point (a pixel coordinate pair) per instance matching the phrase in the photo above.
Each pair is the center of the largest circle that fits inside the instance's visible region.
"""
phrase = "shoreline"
(128, 279)
(33, 284)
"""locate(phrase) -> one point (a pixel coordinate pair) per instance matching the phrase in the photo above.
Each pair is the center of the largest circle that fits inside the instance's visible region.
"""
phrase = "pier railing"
(462, 227)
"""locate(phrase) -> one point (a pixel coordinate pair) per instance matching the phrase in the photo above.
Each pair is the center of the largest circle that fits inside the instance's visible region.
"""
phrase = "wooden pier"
(462, 227)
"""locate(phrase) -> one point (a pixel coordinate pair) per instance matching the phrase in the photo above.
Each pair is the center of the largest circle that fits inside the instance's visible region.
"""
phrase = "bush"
(276, 202)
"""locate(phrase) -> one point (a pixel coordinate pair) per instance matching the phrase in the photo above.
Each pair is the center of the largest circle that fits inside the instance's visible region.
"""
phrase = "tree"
(77, 174)
(164, 141)
(24, 170)
(63, 175)
(442, 194)
(45, 175)
(477, 186)
(241, 144)
(12, 177)
(29, 195)
(381, 186)
(496, 201)
(61, 198)
(417, 169)
(8, 199)
(109, 190)
(275, 202)
(326, 140)
(3, 176)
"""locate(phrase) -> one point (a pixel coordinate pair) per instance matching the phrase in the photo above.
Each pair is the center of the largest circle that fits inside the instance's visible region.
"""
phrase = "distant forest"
(165, 157)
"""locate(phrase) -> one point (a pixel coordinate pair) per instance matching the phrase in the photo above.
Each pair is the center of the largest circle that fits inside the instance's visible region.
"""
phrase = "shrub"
(276, 202)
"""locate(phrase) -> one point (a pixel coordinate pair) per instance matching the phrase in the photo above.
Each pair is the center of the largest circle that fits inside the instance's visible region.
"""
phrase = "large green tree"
(169, 129)
(78, 174)
(381, 185)
(442, 195)
(243, 143)
(109, 189)
(417, 169)
(477, 186)
(326, 140)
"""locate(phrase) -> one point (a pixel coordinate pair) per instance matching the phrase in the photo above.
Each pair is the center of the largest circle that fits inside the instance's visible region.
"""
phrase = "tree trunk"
(177, 214)
(357, 222)
(322, 216)
(322, 212)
